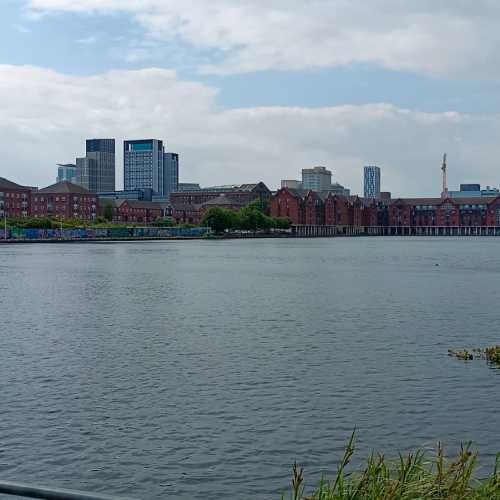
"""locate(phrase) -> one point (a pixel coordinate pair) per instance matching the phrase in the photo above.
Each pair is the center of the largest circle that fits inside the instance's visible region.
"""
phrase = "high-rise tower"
(96, 171)
(371, 182)
(171, 175)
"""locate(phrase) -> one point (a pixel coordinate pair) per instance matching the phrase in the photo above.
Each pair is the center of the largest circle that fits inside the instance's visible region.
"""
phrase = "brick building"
(14, 199)
(327, 209)
(189, 206)
(450, 212)
(64, 200)
(317, 209)
(134, 211)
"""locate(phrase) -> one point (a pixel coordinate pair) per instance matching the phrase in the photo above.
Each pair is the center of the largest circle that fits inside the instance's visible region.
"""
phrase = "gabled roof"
(64, 187)
(246, 187)
(298, 193)
(221, 201)
(139, 204)
(6, 184)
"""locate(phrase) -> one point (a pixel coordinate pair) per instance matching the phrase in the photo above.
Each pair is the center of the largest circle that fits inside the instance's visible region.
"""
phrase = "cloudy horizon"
(254, 90)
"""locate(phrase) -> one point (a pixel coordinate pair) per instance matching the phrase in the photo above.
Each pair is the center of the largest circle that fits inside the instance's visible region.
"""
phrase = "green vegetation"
(163, 223)
(43, 223)
(253, 217)
(490, 354)
(108, 212)
(101, 222)
(410, 477)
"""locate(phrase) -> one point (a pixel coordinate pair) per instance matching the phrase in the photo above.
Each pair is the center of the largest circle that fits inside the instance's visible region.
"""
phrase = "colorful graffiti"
(17, 233)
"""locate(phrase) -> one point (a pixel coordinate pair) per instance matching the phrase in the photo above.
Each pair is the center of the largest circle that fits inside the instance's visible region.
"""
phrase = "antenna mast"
(444, 193)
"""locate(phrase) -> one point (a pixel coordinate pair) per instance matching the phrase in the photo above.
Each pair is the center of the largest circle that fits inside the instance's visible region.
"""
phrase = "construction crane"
(444, 193)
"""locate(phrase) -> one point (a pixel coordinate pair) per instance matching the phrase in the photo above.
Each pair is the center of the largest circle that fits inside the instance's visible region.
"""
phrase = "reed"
(411, 477)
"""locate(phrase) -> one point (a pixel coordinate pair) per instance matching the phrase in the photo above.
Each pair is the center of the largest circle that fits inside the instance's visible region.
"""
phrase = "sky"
(250, 90)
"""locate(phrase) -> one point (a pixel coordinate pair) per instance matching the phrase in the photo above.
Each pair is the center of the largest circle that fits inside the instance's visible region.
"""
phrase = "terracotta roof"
(64, 187)
(6, 184)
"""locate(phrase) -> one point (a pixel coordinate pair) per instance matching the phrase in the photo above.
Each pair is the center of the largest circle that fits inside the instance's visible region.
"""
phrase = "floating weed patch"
(490, 354)
(411, 477)
(493, 354)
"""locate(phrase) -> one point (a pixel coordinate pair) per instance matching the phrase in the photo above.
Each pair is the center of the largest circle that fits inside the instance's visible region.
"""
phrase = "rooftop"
(64, 187)
(6, 184)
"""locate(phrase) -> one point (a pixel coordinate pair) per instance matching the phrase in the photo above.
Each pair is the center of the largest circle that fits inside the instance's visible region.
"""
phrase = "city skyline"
(384, 83)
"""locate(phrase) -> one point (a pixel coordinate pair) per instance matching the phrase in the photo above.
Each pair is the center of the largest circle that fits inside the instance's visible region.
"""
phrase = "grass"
(414, 476)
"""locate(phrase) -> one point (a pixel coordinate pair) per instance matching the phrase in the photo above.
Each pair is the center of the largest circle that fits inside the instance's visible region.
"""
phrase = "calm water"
(202, 370)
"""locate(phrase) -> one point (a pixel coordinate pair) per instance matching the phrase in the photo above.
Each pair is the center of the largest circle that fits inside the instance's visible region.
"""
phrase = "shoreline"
(131, 239)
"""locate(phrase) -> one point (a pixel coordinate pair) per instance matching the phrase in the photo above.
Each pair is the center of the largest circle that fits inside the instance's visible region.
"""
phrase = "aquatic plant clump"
(490, 354)
(411, 477)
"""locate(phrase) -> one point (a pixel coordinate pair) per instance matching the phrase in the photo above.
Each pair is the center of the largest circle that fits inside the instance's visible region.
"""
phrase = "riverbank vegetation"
(253, 217)
(98, 223)
(414, 476)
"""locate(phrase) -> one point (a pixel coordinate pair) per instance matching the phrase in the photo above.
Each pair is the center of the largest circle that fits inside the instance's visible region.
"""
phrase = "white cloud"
(440, 38)
(47, 115)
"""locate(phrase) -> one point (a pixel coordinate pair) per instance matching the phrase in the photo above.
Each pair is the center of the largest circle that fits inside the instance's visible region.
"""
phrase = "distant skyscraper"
(66, 172)
(171, 173)
(372, 182)
(103, 152)
(316, 179)
(86, 173)
(146, 165)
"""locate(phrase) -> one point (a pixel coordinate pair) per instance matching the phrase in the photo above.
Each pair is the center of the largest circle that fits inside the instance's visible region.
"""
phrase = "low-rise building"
(136, 194)
(183, 187)
(134, 211)
(189, 206)
(317, 209)
(14, 199)
(309, 208)
(474, 190)
(64, 200)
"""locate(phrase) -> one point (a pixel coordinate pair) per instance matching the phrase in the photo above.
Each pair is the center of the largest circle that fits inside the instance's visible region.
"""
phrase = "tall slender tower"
(444, 193)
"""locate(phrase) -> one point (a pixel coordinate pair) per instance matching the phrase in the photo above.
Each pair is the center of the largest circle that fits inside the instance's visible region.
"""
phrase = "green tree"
(35, 223)
(220, 219)
(281, 222)
(253, 219)
(108, 212)
(262, 205)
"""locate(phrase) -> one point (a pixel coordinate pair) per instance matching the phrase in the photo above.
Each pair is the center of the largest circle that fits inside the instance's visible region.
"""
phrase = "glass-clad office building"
(66, 172)
(147, 166)
(102, 151)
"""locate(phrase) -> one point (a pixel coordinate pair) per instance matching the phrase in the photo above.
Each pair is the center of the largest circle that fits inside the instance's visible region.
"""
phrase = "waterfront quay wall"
(311, 231)
(95, 234)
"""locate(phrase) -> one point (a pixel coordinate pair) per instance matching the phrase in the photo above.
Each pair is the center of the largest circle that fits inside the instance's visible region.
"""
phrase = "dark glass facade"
(102, 151)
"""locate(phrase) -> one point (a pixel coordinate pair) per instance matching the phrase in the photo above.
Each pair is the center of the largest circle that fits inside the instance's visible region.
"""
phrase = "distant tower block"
(444, 193)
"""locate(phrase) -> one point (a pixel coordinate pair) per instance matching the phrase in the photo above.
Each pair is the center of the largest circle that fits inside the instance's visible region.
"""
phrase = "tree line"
(253, 217)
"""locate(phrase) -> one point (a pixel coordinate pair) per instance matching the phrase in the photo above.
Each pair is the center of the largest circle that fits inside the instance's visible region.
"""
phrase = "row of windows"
(15, 205)
(84, 199)
(23, 196)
